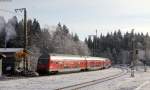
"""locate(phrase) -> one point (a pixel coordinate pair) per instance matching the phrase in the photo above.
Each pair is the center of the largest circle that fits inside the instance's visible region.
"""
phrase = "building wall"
(8, 64)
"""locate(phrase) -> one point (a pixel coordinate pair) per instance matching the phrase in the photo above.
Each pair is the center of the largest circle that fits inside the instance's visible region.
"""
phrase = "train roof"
(69, 55)
(96, 58)
(65, 55)
(77, 57)
(72, 57)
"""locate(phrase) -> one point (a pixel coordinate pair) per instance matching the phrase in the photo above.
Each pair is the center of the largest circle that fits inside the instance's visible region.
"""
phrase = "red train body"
(53, 63)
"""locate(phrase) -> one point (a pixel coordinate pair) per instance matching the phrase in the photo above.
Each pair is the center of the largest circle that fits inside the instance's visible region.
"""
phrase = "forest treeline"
(114, 44)
(57, 40)
(60, 40)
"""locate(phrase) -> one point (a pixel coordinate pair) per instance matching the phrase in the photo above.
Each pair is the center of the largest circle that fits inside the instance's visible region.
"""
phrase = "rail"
(124, 71)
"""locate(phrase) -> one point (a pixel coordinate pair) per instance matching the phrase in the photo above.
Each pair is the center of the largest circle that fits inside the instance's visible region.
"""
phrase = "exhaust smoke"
(2, 24)
(8, 28)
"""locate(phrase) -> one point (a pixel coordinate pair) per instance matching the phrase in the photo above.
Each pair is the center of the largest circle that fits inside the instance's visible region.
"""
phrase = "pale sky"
(85, 16)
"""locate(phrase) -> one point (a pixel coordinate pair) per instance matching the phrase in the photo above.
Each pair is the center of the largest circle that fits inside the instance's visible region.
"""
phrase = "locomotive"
(53, 63)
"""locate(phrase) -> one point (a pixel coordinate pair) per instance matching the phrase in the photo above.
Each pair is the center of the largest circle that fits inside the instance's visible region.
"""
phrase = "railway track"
(124, 71)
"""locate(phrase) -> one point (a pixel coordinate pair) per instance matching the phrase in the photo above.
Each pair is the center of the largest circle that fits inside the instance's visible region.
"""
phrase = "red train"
(53, 63)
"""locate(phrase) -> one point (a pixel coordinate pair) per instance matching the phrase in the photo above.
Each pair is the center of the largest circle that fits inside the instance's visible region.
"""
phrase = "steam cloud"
(2, 24)
(8, 28)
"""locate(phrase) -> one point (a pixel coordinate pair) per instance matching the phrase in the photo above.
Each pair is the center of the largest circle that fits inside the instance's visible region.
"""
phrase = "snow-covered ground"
(55, 81)
(141, 81)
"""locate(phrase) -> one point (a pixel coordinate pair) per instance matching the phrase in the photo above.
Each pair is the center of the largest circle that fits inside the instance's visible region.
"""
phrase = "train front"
(43, 64)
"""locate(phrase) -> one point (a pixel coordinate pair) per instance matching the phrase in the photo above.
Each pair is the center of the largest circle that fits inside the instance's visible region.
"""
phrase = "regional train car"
(53, 63)
(63, 63)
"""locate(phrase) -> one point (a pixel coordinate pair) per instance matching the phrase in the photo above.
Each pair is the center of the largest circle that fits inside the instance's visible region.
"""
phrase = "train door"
(60, 66)
(83, 65)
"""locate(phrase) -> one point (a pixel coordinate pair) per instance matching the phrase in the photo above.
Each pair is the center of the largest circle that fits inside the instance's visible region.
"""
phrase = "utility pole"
(25, 63)
(144, 62)
(133, 53)
(95, 43)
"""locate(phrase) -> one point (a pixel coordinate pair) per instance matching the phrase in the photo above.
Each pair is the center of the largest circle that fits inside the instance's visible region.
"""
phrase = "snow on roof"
(65, 55)
(66, 58)
(96, 58)
(10, 49)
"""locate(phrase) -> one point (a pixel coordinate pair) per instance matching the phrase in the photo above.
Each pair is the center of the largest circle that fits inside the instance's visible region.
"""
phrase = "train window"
(43, 60)
(54, 62)
(60, 62)
(66, 66)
